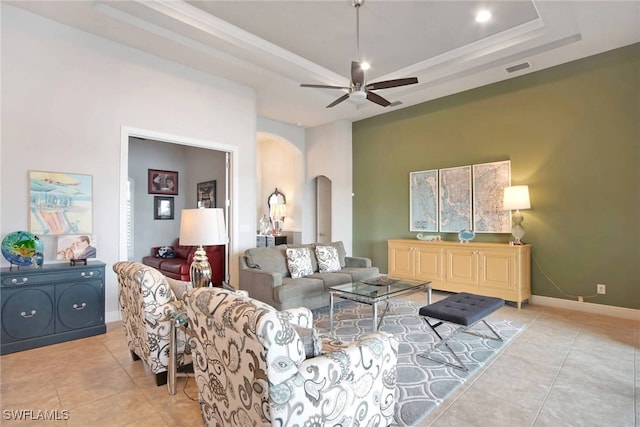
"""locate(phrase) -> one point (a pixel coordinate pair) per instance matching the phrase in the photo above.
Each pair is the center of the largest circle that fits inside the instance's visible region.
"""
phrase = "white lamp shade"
(203, 227)
(278, 210)
(516, 197)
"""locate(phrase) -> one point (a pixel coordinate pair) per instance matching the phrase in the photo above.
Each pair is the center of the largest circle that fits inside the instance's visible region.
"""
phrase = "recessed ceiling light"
(483, 16)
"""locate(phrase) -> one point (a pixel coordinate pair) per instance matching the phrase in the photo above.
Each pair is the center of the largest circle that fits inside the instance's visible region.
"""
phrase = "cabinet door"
(462, 266)
(428, 263)
(27, 313)
(498, 269)
(79, 305)
(401, 261)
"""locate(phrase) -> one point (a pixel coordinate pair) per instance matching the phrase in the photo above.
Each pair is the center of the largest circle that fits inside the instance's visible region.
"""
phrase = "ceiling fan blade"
(392, 83)
(374, 97)
(324, 86)
(357, 75)
(339, 100)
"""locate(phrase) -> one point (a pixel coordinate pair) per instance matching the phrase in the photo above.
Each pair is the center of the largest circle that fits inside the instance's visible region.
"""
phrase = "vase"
(265, 225)
(37, 260)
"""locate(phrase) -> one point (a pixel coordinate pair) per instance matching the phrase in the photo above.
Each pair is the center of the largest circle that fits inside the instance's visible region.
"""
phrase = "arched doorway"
(280, 165)
(323, 209)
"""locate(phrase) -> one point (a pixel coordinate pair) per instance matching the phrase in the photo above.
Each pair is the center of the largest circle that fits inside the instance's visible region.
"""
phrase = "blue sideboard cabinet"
(52, 304)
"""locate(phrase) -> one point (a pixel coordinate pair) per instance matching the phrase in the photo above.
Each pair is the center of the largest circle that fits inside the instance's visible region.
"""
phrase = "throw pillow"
(299, 262)
(328, 260)
(310, 340)
(165, 252)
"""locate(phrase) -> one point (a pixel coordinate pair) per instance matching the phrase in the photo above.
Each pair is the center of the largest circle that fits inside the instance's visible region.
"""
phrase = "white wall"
(329, 153)
(67, 95)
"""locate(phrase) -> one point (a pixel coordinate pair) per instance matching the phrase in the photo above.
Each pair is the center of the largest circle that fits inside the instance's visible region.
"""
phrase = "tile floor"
(565, 369)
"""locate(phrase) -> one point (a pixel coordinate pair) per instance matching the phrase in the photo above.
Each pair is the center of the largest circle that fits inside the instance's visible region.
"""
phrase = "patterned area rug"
(422, 384)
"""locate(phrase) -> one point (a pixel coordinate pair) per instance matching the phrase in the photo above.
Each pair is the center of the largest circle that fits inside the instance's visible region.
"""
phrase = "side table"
(180, 322)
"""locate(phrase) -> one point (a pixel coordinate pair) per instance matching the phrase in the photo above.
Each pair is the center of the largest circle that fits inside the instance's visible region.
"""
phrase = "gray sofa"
(265, 275)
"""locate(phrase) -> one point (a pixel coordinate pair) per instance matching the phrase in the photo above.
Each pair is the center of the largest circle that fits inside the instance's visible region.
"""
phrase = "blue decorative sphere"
(20, 247)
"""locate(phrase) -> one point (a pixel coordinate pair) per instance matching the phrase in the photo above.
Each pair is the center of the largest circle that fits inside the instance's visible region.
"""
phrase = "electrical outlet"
(601, 289)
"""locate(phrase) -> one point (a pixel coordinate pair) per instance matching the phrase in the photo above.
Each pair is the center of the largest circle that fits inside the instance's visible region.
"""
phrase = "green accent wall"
(572, 133)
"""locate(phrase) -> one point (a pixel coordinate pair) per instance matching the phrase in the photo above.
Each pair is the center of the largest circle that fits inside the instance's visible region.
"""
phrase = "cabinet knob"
(15, 281)
(86, 275)
(26, 316)
(80, 307)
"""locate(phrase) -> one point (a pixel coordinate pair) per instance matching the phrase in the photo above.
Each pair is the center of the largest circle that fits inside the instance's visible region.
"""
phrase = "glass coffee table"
(373, 292)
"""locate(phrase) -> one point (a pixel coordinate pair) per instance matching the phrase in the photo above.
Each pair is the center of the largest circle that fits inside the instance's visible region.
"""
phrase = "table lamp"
(278, 212)
(202, 227)
(516, 197)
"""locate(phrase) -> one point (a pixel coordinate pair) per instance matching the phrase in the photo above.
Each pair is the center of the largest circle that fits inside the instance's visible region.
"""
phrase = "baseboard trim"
(587, 307)
(112, 316)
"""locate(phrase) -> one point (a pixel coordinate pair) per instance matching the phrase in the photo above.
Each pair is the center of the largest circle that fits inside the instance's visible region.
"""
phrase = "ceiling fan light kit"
(358, 96)
(359, 91)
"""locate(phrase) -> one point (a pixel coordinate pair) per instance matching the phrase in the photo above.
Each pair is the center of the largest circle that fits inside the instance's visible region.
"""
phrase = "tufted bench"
(462, 309)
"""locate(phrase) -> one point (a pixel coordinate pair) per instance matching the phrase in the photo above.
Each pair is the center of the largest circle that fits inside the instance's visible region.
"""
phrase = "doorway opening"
(226, 190)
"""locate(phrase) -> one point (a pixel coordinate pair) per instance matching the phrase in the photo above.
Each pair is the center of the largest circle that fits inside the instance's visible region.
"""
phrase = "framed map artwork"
(455, 199)
(489, 182)
(423, 200)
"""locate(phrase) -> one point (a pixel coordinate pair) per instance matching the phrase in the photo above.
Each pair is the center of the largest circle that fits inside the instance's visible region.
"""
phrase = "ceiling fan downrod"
(357, 4)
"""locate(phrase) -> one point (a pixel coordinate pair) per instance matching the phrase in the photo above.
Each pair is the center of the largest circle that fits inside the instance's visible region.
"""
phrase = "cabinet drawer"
(79, 305)
(44, 276)
(27, 313)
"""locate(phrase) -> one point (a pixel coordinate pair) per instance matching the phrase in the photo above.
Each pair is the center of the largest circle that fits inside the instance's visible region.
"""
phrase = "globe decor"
(21, 247)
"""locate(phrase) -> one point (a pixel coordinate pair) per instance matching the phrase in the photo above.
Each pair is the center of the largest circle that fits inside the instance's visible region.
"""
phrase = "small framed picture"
(206, 194)
(162, 207)
(76, 246)
(163, 182)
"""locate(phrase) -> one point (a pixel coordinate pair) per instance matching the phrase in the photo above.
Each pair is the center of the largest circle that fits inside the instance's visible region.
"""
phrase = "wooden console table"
(491, 269)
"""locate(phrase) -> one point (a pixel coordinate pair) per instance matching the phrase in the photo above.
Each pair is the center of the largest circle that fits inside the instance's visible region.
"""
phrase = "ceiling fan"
(359, 90)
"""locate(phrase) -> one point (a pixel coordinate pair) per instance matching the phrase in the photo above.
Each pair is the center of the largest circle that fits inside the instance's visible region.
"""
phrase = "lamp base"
(200, 270)
(517, 231)
(277, 225)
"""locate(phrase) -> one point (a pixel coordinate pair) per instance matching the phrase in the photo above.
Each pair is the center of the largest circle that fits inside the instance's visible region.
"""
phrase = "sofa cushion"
(271, 259)
(361, 273)
(293, 288)
(176, 266)
(328, 261)
(332, 279)
(299, 262)
(153, 261)
(182, 251)
(342, 254)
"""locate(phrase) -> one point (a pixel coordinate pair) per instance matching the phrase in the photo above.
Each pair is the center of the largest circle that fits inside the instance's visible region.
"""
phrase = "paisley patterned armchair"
(251, 369)
(146, 299)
